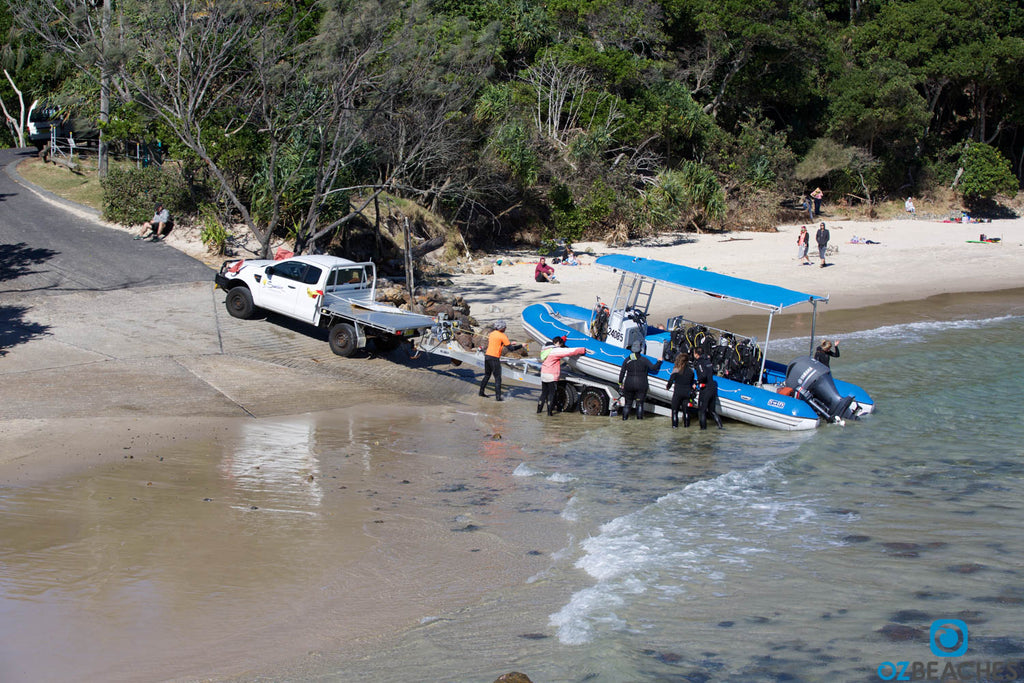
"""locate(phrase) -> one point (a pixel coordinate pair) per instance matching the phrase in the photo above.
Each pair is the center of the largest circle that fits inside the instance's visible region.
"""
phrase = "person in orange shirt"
(497, 340)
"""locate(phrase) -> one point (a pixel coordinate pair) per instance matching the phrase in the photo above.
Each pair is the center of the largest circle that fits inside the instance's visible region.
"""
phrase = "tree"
(88, 34)
(17, 124)
(752, 51)
(296, 108)
(965, 56)
(986, 173)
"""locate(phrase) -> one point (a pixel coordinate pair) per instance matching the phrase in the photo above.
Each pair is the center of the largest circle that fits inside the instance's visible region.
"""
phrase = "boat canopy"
(758, 295)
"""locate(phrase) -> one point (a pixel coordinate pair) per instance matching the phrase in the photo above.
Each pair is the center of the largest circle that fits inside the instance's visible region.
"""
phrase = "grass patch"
(83, 187)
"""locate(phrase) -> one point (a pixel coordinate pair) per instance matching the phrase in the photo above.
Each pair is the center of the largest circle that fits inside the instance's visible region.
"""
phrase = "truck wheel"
(565, 397)
(594, 401)
(239, 303)
(342, 339)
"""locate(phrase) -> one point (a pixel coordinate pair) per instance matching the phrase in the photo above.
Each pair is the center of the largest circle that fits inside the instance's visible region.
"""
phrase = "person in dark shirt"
(683, 379)
(826, 351)
(708, 389)
(633, 380)
(821, 237)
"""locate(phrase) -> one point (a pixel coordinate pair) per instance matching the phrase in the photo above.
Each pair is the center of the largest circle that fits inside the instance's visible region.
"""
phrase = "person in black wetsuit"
(633, 380)
(708, 389)
(684, 380)
(826, 351)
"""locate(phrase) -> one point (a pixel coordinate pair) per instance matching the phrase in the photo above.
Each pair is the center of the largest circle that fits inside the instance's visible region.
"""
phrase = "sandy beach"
(73, 409)
(909, 260)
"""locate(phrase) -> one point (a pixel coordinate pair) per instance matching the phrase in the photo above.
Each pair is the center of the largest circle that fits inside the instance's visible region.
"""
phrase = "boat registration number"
(776, 403)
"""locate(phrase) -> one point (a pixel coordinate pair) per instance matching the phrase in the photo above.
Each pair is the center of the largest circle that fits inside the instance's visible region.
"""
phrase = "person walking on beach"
(821, 237)
(803, 241)
(551, 369)
(826, 351)
(543, 272)
(684, 380)
(708, 395)
(497, 340)
(633, 380)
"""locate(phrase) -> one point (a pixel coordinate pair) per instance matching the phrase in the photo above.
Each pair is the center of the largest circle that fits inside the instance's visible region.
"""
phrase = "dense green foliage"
(986, 173)
(129, 194)
(558, 118)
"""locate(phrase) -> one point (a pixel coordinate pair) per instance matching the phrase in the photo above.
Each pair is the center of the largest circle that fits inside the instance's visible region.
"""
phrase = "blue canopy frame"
(770, 298)
(756, 294)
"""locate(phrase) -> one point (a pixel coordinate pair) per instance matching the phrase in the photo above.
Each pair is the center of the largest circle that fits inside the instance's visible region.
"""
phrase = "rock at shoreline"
(434, 302)
(513, 677)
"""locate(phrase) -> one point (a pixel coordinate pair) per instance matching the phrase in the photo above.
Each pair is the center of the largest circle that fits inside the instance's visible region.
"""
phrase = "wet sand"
(265, 541)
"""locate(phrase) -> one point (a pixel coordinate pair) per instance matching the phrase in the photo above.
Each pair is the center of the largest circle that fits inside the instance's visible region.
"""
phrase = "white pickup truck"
(325, 291)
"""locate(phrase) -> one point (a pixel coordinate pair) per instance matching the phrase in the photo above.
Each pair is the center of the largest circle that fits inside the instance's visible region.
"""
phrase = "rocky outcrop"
(434, 302)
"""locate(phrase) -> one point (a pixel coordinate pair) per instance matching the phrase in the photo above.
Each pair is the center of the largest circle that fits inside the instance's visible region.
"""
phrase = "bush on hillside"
(130, 194)
(986, 173)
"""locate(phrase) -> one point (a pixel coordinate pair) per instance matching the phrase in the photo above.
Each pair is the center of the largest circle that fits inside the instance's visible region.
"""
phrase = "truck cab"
(325, 291)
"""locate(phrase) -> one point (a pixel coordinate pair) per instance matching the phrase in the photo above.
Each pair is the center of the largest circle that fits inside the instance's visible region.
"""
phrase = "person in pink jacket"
(551, 369)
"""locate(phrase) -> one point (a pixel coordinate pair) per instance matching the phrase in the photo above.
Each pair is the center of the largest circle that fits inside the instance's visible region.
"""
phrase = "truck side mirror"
(269, 272)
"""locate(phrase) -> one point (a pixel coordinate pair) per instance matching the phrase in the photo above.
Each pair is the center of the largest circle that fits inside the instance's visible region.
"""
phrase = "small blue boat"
(751, 388)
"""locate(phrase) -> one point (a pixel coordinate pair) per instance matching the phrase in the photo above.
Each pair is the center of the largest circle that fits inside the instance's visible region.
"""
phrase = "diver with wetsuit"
(633, 380)
(708, 389)
(683, 378)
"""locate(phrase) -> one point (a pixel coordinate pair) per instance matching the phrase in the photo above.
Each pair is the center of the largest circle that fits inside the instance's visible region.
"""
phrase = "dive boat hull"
(757, 405)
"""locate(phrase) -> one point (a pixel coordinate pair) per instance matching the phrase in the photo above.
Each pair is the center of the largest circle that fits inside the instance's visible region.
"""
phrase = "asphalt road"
(94, 324)
(46, 248)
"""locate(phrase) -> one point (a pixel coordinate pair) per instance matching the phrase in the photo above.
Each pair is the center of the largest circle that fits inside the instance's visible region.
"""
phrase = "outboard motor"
(812, 382)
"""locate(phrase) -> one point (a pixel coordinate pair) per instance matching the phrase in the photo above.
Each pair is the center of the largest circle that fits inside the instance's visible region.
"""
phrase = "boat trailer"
(575, 392)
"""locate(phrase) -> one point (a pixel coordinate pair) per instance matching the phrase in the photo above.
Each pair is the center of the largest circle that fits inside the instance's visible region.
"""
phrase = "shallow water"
(651, 554)
(748, 555)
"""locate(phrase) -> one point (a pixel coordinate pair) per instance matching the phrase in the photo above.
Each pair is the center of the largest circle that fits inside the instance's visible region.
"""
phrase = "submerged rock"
(899, 633)
(513, 677)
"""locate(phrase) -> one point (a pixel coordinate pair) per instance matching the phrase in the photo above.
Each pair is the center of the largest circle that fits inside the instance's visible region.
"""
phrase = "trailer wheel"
(594, 402)
(342, 339)
(239, 303)
(565, 397)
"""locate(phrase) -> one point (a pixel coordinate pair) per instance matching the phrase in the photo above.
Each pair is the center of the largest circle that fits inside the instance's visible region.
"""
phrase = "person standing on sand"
(803, 241)
(821, 237)
(809, 206)
(817, 196)
(496, 343)
(551, 369)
